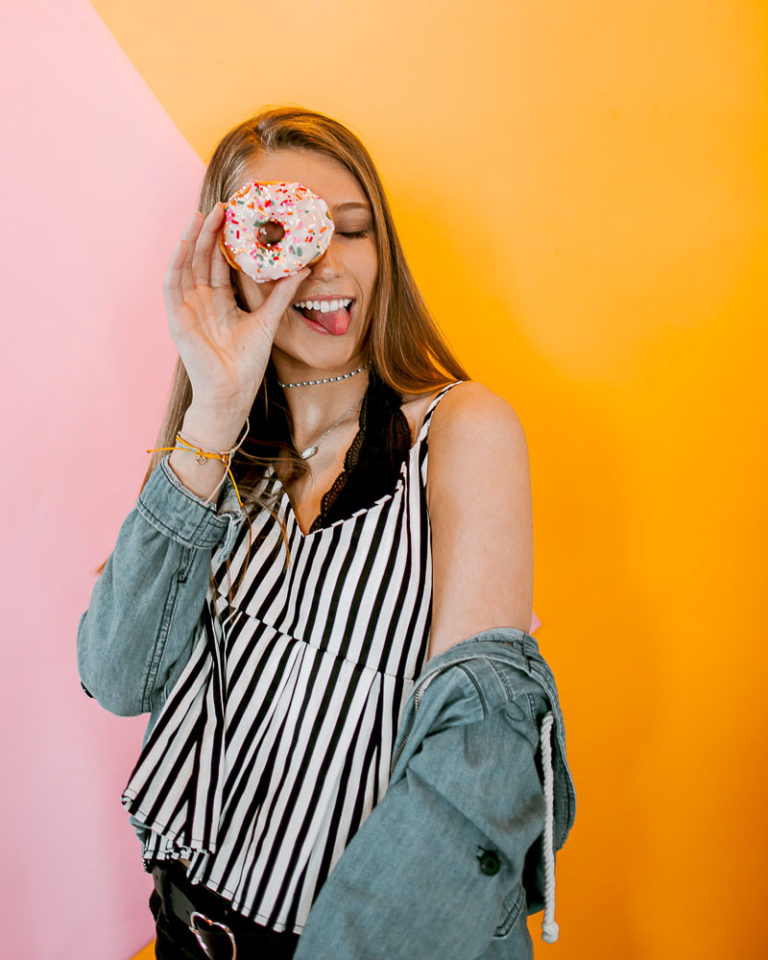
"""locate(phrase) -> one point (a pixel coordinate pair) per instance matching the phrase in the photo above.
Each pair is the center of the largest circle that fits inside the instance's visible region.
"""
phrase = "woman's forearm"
(213, 429)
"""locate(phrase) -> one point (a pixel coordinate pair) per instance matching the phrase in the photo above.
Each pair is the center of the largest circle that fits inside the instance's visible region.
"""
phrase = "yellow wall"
(581, 190)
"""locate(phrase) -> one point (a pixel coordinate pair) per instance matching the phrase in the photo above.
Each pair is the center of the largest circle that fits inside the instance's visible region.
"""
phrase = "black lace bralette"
(374, 459)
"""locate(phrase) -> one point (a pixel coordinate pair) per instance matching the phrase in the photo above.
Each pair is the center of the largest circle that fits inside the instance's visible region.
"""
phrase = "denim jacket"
(461, 847)
(136, 636)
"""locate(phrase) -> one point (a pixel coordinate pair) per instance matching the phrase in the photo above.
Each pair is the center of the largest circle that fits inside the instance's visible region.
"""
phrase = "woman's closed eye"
(353, 234)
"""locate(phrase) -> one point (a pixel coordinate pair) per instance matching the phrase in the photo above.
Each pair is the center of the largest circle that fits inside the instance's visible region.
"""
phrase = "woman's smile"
(326, 315)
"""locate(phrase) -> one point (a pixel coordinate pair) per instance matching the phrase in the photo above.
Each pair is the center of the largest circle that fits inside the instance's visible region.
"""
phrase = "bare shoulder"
(471, 417)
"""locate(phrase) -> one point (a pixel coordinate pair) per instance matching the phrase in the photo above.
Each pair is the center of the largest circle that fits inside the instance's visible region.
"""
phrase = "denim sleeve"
(436, 871)
(138, 630)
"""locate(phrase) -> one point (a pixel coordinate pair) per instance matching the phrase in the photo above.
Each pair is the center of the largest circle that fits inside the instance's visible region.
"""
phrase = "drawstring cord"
(549, 929)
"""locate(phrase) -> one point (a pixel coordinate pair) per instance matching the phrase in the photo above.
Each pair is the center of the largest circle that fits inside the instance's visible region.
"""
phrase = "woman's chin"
(324, 355)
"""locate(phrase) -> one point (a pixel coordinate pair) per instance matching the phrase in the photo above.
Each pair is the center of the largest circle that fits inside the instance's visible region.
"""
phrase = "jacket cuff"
(180, 514)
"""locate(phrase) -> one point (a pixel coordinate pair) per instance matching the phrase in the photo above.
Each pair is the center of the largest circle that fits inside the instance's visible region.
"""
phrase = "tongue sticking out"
(335, 322)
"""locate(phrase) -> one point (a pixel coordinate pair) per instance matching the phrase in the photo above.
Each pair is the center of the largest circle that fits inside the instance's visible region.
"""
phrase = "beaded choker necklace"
(311, 383)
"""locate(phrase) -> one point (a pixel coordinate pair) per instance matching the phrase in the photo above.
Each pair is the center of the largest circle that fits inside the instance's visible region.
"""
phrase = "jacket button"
(489, 863)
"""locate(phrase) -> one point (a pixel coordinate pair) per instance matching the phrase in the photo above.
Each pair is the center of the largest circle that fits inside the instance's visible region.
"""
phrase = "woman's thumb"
(284, 292)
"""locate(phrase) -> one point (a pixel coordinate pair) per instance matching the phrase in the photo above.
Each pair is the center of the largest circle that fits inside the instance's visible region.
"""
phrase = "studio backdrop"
(581, 193)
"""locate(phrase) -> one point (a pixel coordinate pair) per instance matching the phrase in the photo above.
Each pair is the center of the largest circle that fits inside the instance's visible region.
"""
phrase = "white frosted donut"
(257, 214)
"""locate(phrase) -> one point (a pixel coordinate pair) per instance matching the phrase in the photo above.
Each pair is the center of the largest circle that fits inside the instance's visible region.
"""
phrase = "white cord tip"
(550, 931)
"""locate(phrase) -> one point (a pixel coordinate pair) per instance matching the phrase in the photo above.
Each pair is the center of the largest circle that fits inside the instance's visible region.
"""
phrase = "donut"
(274, 228)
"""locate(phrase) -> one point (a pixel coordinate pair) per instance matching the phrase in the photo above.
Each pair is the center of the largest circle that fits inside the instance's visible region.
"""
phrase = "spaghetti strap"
(431, 409)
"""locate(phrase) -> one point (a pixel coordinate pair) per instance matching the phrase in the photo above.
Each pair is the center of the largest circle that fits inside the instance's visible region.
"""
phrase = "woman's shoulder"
(474, 431)
(463, 409)
(469, 414)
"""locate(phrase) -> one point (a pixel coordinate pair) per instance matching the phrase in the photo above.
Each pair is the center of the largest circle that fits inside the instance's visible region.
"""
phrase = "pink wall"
(97, 181)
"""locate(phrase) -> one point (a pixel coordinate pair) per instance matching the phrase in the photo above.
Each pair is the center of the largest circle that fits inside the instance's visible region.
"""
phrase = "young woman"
(274, 628)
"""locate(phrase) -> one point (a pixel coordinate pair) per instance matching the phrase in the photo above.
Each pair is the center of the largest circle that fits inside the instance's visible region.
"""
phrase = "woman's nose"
(329, 264)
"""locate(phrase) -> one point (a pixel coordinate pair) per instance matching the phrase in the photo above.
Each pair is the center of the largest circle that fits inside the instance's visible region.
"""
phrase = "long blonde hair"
(401, 341)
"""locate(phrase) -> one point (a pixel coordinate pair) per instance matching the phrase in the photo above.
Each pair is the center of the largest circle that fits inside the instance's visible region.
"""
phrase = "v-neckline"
(289, 507)
(291, 510)
(285, 495)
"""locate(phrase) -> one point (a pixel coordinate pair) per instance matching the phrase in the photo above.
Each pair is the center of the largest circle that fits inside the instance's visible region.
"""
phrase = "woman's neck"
(313, 408)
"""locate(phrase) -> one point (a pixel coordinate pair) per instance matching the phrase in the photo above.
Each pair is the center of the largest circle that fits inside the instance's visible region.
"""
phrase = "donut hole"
(269, 232)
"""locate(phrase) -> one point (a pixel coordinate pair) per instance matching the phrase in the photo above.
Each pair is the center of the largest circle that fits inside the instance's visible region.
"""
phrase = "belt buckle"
(200, 934)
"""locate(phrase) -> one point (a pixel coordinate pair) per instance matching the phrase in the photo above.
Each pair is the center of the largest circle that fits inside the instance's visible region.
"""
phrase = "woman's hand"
(224, 349)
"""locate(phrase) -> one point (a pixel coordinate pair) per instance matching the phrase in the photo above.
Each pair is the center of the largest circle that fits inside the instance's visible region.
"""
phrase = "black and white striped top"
(276, 742)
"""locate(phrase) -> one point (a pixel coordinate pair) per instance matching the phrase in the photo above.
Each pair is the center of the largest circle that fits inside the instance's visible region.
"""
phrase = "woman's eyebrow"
(363, 204)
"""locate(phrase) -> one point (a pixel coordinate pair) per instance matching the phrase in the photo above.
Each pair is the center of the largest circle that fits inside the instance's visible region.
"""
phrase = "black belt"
(216, 937)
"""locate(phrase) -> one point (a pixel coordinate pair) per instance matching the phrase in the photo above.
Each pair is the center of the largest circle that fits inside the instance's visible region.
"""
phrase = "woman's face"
(347, 270)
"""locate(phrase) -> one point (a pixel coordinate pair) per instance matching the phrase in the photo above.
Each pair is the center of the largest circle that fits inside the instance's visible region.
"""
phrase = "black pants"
(175, 941)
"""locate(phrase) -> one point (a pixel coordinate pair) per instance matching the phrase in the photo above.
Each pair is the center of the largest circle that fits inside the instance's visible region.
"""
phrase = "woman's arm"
(138, 630)
(479, 498)
(137, 633)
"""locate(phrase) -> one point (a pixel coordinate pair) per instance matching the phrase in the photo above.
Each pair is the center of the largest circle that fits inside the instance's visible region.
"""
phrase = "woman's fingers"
(188, 240)
(281, 296)
(177, 276)
(174, 299)
(207, 242)
(209, 266)
(195, 261)
(220, 276)
(198, 280)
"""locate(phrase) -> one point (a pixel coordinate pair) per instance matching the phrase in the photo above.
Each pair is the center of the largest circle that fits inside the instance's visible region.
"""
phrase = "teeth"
(324, 306)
